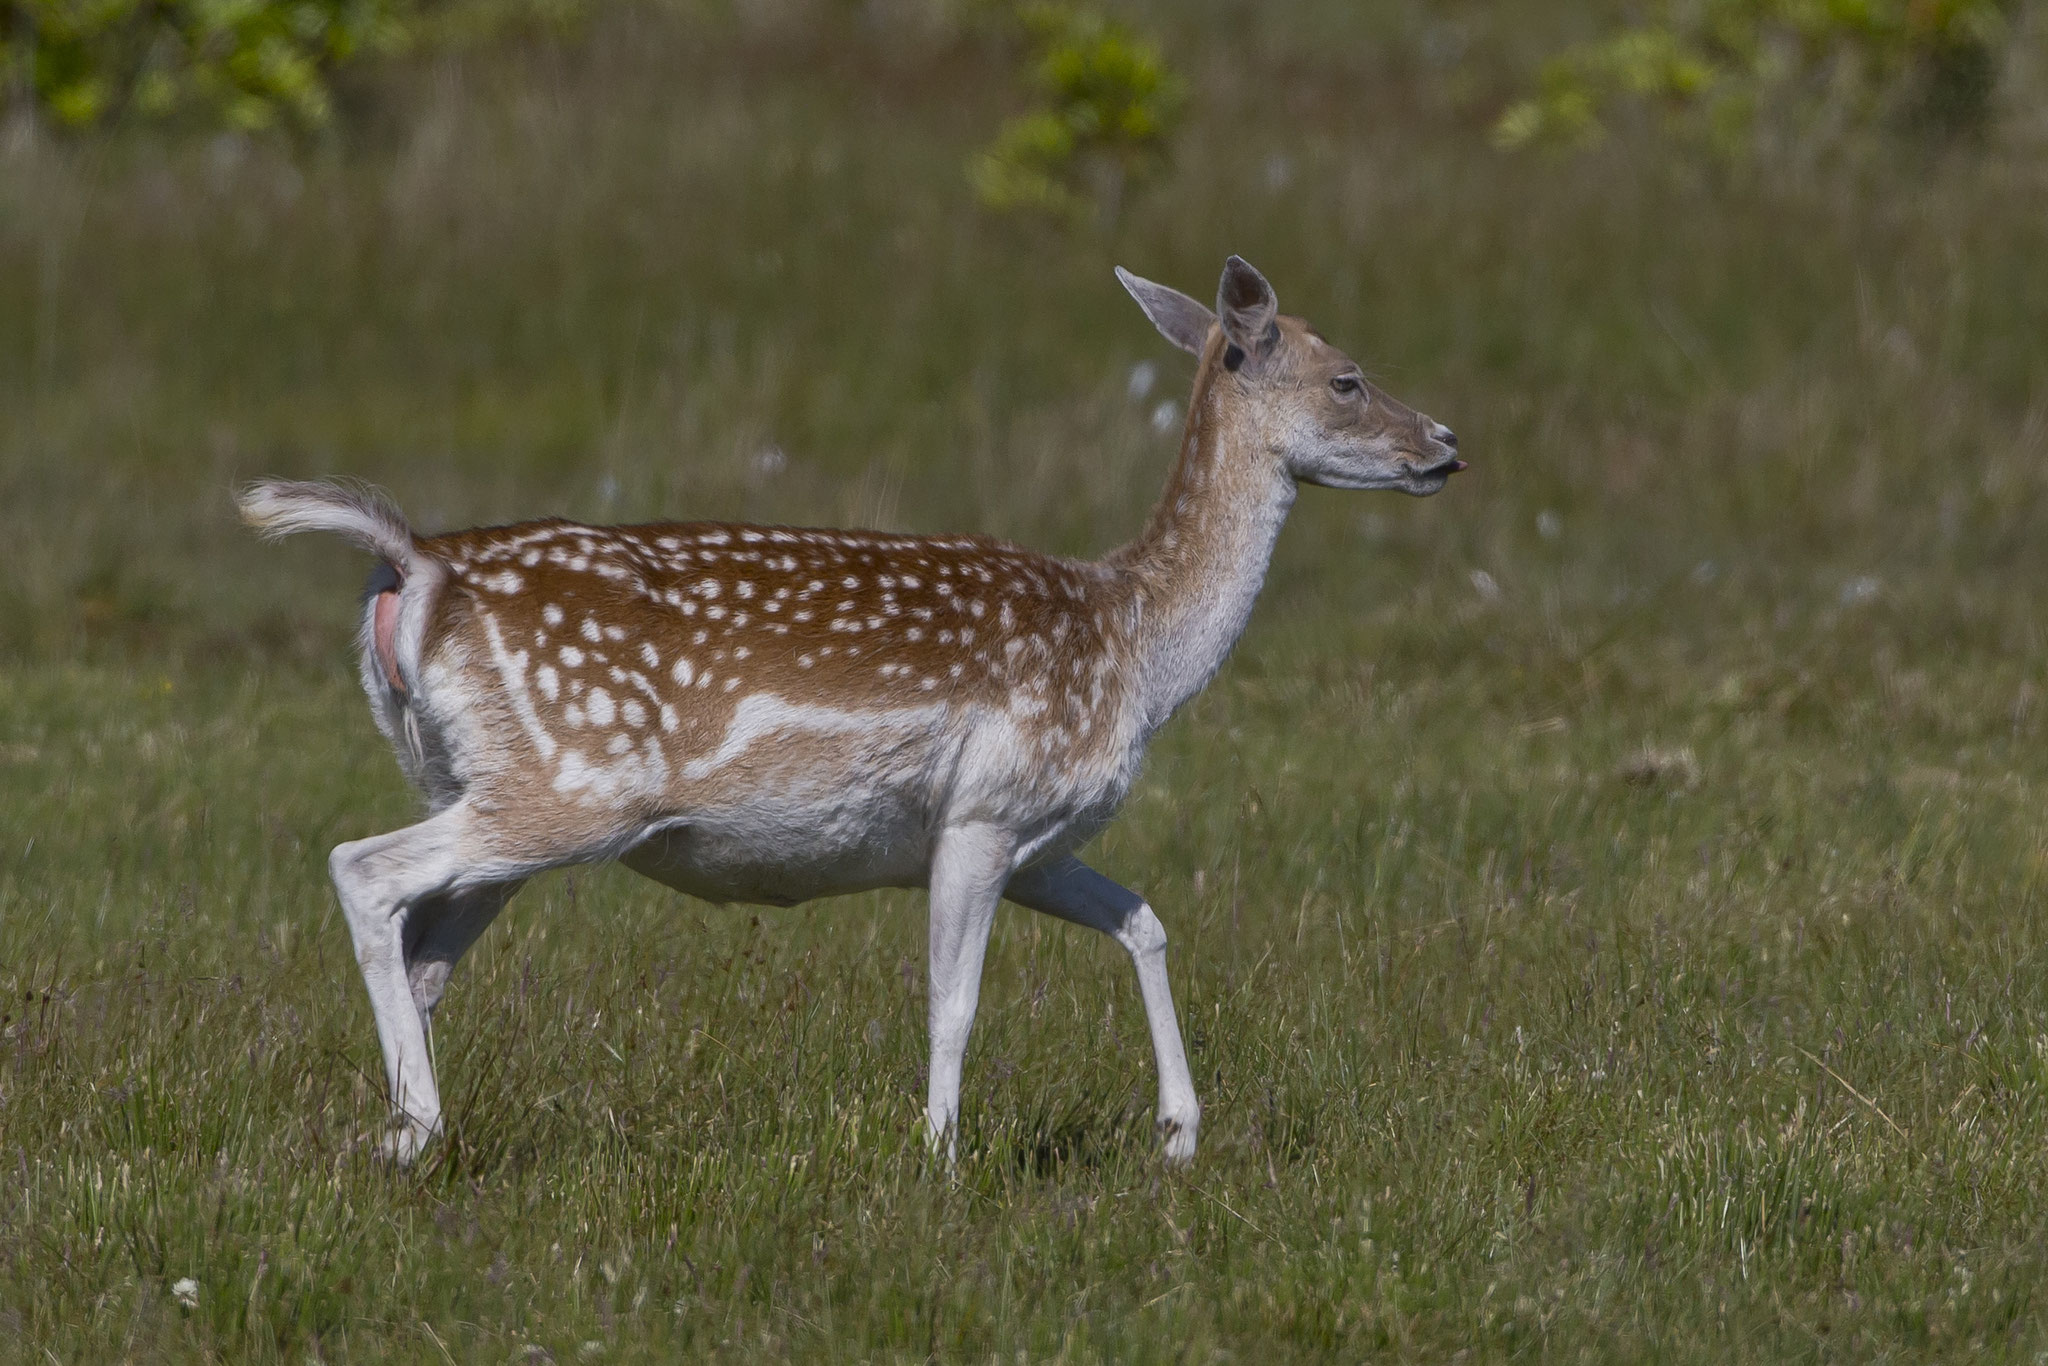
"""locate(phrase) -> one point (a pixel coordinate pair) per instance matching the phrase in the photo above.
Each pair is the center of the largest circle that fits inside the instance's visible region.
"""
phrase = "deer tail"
(355, 512)
(401, 589)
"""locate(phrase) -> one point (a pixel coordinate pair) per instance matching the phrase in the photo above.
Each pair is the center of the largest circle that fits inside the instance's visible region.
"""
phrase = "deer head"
(1316, 414)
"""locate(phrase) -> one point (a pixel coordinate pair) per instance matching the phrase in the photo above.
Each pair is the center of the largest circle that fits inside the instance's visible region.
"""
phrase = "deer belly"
(781, 853)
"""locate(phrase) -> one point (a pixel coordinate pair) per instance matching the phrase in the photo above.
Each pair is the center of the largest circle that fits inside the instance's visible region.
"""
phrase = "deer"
(769, 715)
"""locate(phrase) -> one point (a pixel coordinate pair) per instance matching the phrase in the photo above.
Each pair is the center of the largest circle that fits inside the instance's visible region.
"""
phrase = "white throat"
(1200, 564)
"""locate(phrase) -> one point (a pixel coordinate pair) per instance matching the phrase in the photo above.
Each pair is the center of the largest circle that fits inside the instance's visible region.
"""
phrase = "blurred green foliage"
(246, 64)
(1109, 102)
(1724, 70)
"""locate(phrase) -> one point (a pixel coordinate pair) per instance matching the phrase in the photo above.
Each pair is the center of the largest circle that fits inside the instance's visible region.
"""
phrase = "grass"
(1635, 952)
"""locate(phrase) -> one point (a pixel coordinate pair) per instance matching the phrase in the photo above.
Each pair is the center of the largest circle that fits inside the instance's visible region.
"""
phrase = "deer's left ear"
(1248, 310)
(1179, 319)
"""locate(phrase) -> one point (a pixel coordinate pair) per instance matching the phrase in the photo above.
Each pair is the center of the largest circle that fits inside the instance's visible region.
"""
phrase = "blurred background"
(1769, 321)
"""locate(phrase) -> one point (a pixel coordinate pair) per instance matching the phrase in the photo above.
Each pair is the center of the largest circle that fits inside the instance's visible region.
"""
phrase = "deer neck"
(1196, 570)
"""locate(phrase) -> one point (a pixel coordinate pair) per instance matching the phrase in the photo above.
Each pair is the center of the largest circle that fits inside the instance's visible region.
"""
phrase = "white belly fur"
(778, 853)
(858, 812)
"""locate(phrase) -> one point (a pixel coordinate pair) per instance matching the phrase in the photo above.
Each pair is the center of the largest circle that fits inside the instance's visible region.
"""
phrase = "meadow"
(1607, 899)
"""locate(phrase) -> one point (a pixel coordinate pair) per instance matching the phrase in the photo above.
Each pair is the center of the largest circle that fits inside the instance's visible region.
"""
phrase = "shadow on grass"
(1086, 1132)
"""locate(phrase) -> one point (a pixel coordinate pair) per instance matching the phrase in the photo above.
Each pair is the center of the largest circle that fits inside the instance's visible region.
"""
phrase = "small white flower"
(1165, 416)
(1143, 376)
(591, 1350)
(1861, 589)
(1483, 583)
(1549, 525)
(186, 1292)
(767, 462)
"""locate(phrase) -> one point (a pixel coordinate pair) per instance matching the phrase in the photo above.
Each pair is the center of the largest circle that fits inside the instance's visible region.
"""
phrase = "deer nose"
(1445, 435)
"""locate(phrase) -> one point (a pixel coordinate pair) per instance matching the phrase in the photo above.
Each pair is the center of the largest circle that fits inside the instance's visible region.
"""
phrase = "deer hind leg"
(439, 930)
(1073, 891)
(383, 881)
(969, 868)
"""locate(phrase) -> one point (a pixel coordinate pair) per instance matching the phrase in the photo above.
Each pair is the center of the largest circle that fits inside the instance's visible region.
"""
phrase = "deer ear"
(1179, 319)
(1247, 307)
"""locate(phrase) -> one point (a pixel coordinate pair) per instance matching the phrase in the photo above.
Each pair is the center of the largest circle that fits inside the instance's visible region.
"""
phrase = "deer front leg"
(1071, 890)
(969, 868)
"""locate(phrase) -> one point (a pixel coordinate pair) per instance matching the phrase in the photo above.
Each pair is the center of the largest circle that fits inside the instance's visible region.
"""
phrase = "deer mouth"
(1423, 480)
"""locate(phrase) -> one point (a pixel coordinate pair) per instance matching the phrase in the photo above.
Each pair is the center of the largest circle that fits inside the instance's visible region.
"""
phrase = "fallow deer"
(765, 714)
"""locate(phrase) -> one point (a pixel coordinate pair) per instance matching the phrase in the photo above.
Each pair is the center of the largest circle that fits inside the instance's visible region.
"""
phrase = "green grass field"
(1607, 899)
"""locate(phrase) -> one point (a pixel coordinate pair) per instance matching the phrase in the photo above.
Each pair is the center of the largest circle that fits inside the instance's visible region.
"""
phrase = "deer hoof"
(399, 1145)
(1177, 1140)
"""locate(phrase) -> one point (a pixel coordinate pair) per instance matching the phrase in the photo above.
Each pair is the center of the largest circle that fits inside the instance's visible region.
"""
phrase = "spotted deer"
(765, 714)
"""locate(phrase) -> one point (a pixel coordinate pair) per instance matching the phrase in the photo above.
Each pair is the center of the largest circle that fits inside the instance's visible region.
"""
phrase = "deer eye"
(1347, 386)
